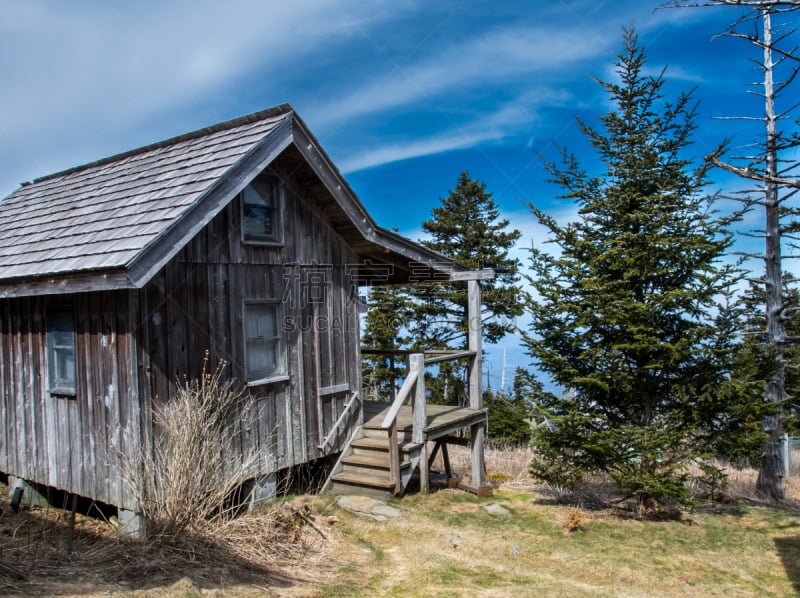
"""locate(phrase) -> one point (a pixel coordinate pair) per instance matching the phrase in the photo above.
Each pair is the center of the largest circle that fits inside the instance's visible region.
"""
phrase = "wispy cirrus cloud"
(486, 60)
(502, 122)
(87, 76)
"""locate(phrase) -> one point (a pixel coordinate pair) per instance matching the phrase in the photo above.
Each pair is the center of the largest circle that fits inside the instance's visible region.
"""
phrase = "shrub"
(197, 462)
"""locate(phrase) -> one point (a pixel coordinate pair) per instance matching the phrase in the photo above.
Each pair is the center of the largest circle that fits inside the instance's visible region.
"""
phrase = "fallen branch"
(299, 514)
(6, 569)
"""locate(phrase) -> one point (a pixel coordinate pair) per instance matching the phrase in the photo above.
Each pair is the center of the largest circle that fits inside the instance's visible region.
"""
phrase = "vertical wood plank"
(5, 397)
(20, 394)
(38, 387)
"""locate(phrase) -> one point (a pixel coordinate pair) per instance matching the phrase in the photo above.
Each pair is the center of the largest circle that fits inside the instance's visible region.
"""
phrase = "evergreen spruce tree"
(756, 363)
(389, 311)
(466, 227)
(508, 418)
(625, 314)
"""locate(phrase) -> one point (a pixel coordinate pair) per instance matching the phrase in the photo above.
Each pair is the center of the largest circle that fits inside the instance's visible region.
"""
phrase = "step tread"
(360, 479)
(371, 442)
(382, 444)
(370, 461)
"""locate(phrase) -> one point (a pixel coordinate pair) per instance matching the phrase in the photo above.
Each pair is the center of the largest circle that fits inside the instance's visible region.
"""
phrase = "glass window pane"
(65, 367)
(61, 348)
(262, 359)
(63, 339)
(257, 226)
(260, 210)
(254, 199)
(261, 321)
(262, 350)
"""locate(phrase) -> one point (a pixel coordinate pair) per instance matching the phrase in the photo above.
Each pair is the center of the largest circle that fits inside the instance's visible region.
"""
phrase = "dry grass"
(447, 544)
(508, 465)
(444, 544)
(504, 463)
(272, 549)
(740, 483)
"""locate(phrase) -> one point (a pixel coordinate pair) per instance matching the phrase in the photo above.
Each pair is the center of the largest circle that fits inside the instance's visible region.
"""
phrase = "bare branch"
(748, 173)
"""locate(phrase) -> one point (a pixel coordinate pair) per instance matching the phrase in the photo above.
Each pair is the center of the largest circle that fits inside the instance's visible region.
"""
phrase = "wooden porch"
(388, 449)
(393, 440)
(441, 420)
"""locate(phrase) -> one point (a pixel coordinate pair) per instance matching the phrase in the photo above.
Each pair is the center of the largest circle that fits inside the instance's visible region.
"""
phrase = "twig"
(305, 518)
(7, 569)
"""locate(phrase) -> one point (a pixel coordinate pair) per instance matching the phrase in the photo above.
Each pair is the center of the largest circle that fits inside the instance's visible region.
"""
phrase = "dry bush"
(197, 462)
(575, 520)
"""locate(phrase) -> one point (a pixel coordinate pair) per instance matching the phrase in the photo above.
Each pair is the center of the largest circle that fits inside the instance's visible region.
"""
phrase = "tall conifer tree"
(624, 314)
(466, 227)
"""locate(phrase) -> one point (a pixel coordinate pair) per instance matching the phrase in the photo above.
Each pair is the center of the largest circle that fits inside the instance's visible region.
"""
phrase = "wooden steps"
(364, 468)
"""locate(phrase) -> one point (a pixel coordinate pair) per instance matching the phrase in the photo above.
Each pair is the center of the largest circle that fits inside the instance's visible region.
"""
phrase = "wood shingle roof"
(102, 215)
(115, 222)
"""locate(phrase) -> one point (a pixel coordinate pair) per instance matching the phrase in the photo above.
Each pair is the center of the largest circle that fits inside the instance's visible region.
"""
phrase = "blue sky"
(403, 95)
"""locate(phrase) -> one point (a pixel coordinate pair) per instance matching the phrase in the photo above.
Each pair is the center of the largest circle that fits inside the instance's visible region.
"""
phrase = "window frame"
(279, 374)
(57, 353)
(277, 238)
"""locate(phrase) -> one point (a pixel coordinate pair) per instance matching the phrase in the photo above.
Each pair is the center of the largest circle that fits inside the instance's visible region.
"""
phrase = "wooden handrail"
(415, 380)
(401, 397)
(449, 356)
(337, 425)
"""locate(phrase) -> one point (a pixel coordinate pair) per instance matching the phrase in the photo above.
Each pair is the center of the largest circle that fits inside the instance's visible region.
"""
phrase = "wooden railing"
(414, 386)
(334, 430)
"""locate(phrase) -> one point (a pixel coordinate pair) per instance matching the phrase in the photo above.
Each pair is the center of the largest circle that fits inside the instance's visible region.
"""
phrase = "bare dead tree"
(769, 165)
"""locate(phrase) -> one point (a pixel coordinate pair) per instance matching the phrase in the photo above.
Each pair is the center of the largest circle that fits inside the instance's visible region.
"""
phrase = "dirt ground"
(292, 559)
(443, 544)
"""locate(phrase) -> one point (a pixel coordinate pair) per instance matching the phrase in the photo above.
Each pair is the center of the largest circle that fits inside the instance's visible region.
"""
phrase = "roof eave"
(381, 238)
(71, 282)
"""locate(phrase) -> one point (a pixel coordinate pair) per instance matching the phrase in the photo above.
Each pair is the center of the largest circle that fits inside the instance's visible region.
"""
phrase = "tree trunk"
(770, 474)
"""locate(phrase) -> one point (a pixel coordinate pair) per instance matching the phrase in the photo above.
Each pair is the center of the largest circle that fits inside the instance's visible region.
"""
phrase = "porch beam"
(487, 274)
(420, 420)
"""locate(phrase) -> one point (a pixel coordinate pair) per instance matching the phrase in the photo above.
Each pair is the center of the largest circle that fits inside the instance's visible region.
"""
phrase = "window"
(60, 330)
(261, 211)
(263, 347)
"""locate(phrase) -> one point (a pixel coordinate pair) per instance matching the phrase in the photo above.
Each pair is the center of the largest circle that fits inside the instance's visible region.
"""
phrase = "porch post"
(420, 420)
(475, 334)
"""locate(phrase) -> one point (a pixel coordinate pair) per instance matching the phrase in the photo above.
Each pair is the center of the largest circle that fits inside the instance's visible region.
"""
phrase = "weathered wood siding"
(133, 346)
(72, 444)
(196, 304)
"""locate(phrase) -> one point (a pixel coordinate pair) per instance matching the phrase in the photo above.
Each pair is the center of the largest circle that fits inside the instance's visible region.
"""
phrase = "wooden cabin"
(241, 239)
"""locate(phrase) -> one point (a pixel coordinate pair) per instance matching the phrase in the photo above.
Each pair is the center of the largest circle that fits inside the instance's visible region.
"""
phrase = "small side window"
(60, 330)
(263, 341)
(261, 211)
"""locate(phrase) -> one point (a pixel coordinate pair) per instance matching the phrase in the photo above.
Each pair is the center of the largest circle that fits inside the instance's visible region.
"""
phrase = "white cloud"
(499, 55)
(504, 121)
(85, 76)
